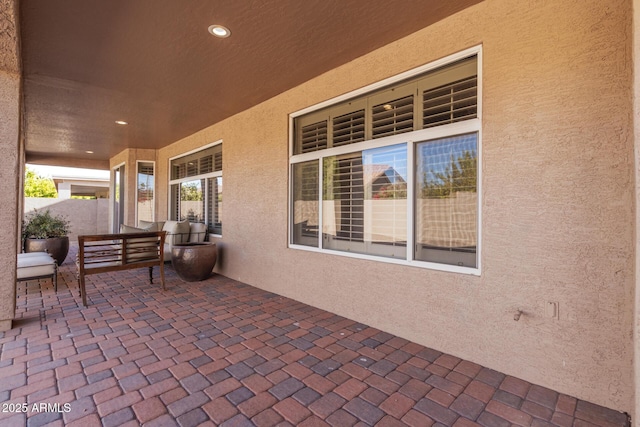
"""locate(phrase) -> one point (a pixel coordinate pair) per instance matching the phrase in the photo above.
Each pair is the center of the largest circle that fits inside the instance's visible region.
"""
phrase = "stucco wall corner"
(10, 172)
(635, 413)
(9, 56)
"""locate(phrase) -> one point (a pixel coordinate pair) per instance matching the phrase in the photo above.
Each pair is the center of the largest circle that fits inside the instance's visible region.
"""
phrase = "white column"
(64, 190)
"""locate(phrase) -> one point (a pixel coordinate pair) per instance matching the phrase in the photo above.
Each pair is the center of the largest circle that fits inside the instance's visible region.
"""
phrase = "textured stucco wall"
(10, 157)
(9, 55)
(85, 216)
(9, 181)
(128, 158)
(557, 200)
(636, 129)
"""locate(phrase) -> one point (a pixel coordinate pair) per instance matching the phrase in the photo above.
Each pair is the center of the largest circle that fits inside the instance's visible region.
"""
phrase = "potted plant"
(44, 232)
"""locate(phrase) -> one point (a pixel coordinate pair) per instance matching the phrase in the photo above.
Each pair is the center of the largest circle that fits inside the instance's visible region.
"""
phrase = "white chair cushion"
(198, 232)
(177, 232)
(130, 229)
(136, 247)
(33, 254)
(35, 264)
(151, 226)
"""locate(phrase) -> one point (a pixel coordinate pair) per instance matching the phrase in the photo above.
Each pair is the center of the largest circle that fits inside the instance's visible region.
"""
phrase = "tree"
(459, 175)
(190, 191)
(38, 186)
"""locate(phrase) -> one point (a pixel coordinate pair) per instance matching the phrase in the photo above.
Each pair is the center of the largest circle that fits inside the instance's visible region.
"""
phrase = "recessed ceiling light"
(89, 152)
(219, 31)
(120, 122)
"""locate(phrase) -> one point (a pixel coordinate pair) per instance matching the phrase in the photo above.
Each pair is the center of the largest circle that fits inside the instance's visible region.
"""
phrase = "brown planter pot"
(194, 261)
(57, 247)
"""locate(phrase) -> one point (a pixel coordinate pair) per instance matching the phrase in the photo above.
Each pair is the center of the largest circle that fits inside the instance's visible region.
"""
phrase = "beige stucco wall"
(636, 129)
(84, 216)
(129, 157)
(557, 200)
(11, 154)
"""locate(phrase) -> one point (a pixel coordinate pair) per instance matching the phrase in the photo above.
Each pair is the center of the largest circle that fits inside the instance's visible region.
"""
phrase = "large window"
(144, 192)
(393, 173)
(196, 188)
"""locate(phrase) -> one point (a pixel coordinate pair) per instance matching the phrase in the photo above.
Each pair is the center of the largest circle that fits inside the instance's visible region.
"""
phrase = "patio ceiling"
(152, 63)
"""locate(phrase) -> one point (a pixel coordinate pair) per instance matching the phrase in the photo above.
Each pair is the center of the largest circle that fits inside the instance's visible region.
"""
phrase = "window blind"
(202, 162)
(392, 118)
(313, 137)
(348, 193)
(348, 128)
(450, 103)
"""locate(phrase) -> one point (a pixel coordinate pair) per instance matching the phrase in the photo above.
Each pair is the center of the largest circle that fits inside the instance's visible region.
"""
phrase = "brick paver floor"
(220, 352)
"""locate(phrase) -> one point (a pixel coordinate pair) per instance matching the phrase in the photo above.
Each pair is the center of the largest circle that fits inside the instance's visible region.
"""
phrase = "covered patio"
(429, 217)
(220, 352)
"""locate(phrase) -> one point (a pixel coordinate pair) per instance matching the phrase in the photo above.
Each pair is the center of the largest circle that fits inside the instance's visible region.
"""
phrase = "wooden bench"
(102, 253)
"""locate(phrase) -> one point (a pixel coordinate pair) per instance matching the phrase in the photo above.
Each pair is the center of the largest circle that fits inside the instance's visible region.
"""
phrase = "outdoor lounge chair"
(37, 265)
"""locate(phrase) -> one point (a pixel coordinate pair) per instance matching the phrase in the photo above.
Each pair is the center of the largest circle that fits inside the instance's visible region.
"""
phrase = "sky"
(59, 171)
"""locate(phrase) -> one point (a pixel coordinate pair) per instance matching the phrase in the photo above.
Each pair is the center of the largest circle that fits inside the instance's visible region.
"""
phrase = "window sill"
(413, 263)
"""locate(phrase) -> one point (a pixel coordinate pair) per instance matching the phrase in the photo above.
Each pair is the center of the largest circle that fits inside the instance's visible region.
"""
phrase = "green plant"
(41, 225)
(38, 186)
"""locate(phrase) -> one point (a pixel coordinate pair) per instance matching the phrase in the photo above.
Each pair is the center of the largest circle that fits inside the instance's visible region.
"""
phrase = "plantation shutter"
(217, 161)
(206, 164)
(192, 168)
(311, 132)
(348, 193)
(145, 168)
(175, 202)
(393, 111)
(200, 163)
(348, 128)
(214, 205)
(305, 203)
(314, 137)
(451, 94)
(348, 123)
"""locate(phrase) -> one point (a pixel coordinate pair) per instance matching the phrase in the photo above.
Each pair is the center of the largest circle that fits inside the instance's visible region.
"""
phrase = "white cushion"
(33, 254)
(167, 252)
(139, 249)
(151, 226)
(129, 229)
(177, 232)
(102, 264)
(34, 259)
(35, 264)
(198, 231)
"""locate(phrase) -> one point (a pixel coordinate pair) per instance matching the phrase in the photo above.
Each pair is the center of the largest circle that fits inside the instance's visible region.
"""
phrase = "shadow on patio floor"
(222, 352)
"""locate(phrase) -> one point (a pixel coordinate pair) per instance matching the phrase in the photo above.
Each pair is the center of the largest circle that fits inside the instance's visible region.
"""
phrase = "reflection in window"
(394, 170)
(214, 216)
(196, 188)
(145, 191)
(447, 200)
(192, 201)
(365, 202)
(305, 203)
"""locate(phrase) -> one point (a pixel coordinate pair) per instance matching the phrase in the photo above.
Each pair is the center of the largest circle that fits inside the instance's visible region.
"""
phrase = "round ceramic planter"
(57, 247)
(194, 261)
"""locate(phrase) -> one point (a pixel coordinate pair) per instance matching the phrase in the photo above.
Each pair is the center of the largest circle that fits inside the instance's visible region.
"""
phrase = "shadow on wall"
(86, 216)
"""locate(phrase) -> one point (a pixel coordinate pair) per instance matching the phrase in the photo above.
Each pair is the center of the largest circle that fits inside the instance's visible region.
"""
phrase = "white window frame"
(206, 176)
(411, 138)
(153, 206)
(112, 196)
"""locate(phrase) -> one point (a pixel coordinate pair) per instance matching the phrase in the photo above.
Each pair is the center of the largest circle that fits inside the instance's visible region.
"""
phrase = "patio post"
(11, 158)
